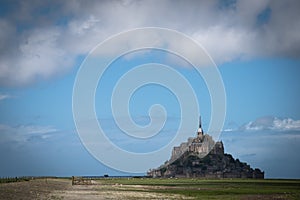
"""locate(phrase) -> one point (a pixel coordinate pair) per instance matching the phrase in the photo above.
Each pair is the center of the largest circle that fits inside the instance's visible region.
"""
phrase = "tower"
(200, 131)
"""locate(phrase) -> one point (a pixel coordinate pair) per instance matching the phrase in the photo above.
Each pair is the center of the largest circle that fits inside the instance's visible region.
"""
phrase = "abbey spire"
(200, 130)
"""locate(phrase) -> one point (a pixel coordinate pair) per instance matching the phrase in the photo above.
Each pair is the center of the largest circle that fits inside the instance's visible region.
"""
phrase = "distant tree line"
(13, 179)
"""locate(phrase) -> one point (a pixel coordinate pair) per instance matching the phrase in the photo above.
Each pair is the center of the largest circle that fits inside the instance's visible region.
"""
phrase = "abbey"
(203, 157)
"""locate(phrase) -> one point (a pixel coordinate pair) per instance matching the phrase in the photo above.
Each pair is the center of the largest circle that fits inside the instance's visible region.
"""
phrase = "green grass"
(216, 189)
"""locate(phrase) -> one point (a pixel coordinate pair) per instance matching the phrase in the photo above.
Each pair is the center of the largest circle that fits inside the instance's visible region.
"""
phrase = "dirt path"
(93, 192)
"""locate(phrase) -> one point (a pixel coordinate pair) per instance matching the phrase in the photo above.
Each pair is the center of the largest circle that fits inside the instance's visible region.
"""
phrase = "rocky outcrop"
(202, 157)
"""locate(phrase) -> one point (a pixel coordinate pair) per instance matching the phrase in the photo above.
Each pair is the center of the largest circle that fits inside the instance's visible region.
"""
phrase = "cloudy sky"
(255, 45)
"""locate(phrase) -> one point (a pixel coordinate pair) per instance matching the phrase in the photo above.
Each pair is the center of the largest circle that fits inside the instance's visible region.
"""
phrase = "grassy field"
(147, 188)
(216, 189)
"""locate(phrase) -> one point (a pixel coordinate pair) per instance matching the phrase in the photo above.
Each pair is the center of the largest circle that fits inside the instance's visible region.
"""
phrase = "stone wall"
(201, 145)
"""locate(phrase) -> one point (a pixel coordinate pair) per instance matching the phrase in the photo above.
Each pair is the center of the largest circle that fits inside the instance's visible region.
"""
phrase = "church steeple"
(200, 131)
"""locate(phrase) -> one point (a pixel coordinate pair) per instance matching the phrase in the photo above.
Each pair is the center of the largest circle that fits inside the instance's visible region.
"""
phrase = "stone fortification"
(203, 157)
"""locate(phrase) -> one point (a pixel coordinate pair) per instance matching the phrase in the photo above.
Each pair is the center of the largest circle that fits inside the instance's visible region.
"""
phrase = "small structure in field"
(79, 180)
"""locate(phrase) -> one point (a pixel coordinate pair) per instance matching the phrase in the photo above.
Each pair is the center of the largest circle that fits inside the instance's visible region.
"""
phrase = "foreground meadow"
(144, 188)
(214, 189)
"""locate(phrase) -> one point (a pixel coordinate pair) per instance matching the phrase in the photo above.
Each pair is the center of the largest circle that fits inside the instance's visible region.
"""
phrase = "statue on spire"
(200, 124)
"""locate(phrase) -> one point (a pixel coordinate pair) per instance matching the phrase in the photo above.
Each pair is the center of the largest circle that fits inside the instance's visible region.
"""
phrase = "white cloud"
(38, 46)
(225, 43)
(272, 123)
(5, 96)
(286, 124)
(37, 57)
(24, 133)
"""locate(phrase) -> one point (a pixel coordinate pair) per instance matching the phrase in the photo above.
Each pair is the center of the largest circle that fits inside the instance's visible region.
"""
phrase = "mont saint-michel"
(203, 157)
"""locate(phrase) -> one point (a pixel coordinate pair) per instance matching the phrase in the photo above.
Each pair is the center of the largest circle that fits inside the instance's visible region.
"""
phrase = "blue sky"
(255, 45)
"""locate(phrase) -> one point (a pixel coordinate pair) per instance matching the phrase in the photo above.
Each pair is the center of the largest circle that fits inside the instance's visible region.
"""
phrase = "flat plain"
(147, 188)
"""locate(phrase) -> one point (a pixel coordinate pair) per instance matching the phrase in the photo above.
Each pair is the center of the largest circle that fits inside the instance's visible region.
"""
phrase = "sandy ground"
(62, 189)
(34, 189)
